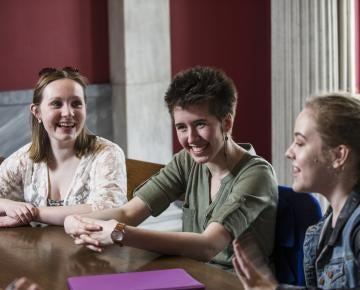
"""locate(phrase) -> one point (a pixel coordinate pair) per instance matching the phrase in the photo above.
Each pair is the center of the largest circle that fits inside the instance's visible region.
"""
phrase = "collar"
(351, 204)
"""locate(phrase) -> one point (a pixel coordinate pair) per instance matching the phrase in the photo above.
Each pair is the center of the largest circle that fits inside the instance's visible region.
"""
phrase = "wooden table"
(49, 256)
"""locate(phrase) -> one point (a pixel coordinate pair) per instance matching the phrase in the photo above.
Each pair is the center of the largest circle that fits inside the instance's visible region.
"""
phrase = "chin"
(200, 159)
(300, 187)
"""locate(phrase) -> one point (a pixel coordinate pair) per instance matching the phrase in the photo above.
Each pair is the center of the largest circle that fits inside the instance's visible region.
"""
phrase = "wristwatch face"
(117, 236)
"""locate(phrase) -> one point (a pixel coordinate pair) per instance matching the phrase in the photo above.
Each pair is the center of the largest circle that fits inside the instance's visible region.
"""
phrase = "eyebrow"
(193, 122)
(179, 124)
(298, 134)
(71, 97)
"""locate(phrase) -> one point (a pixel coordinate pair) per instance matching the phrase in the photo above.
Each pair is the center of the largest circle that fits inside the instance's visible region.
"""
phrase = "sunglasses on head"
(50, 70)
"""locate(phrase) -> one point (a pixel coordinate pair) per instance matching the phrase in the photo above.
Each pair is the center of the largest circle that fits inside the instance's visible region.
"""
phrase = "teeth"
(197, 149)
(64, 124)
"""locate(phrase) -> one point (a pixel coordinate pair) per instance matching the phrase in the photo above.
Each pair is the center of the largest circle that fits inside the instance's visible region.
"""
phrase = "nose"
(290, 152)
(67, 110)
(192, 135)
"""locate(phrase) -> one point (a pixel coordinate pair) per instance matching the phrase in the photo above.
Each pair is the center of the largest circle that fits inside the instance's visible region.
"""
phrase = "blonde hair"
(337, 116)
(40, 149)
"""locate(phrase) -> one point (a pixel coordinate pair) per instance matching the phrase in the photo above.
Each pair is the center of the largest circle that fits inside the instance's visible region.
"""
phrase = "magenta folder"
(148, 280)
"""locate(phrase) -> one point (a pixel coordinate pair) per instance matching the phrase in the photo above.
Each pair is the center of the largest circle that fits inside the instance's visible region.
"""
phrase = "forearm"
(57, 215)
(192, 245)
(3, 202)
(107, 214)
(132, 213)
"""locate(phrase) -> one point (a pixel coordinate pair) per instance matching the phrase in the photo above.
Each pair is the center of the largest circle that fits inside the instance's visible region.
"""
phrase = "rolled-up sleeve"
(166, 186)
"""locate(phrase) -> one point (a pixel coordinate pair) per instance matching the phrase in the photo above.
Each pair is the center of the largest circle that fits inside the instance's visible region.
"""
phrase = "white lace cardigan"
(100, 178)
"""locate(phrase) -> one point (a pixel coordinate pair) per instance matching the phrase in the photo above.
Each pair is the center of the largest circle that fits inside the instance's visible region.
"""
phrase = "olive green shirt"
(246, 201)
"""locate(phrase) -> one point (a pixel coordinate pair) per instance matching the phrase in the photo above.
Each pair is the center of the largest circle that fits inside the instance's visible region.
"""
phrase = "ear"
(35, 111)
(227, 123)
(340, 155)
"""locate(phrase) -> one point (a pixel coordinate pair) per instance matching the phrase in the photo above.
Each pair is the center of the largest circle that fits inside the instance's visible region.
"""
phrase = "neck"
(338, 196)
(62, 152)
(222, 165)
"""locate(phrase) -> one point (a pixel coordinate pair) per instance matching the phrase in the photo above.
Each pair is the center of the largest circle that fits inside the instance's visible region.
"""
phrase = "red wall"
(43, 33)
(235, 36)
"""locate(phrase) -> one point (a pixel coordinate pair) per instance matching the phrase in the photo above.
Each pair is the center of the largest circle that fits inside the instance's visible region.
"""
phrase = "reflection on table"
(48, 256)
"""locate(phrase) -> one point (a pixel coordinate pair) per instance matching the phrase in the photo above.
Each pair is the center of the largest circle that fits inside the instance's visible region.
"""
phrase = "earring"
(39, 120)
(226, 138)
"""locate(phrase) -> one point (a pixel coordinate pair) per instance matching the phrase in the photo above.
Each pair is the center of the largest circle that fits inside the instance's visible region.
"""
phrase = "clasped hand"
(92, 233)
(17, 213)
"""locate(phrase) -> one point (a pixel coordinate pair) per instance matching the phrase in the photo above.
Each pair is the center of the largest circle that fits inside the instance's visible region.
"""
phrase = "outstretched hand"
(253, 273)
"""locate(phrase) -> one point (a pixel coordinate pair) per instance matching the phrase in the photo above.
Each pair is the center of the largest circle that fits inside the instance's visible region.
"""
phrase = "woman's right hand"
(253, 274)
(21, 211)
(9, 222)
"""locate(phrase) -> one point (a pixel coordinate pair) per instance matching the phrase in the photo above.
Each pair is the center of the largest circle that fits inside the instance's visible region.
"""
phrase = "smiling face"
(62, 110)
(310, 161)
(199, 132)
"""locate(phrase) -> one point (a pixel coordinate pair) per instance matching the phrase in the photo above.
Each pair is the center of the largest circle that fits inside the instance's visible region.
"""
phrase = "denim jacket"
(333, 265)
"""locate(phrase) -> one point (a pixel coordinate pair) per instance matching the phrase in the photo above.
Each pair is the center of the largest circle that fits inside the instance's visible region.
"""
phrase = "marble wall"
(140, 71)
(15, 125)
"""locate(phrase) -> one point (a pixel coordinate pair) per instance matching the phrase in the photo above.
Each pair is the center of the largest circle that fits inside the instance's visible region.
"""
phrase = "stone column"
(140, 71)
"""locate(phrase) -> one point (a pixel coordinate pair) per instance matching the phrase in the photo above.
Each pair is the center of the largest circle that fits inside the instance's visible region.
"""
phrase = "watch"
(117, 235)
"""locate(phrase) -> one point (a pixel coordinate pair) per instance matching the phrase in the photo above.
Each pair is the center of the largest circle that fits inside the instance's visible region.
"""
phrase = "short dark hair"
(203, 84)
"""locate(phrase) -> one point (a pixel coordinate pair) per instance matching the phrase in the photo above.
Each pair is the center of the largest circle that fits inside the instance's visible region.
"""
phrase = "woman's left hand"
(254, 277)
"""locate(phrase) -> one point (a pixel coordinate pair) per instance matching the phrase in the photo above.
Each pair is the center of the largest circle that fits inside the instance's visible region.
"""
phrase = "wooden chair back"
(137, 172)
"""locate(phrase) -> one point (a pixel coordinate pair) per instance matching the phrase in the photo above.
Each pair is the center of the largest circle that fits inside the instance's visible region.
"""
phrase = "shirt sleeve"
(12, 172)
(166, 186)
(108, 180)
(251, 203)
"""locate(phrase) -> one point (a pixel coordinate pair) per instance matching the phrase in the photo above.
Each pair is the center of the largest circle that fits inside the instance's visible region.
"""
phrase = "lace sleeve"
(108, 181)
(12, 172)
